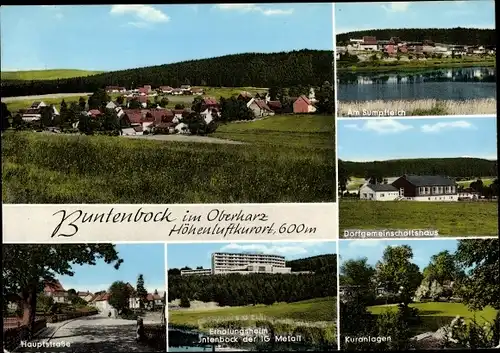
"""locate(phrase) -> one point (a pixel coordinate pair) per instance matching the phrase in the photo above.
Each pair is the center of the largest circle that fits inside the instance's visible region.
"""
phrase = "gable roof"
(53, 286)
(369, 40)
(262, 104)
(166, 88)
(95, 112)
(274, 104)
(382, 187)
(134, 115)
(305, 99)
(428, 180)
(35, 104)
(209, 101)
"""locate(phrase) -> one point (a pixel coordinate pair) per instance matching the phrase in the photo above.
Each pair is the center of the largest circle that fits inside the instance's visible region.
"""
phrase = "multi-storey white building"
(198, 272)
(224, 263)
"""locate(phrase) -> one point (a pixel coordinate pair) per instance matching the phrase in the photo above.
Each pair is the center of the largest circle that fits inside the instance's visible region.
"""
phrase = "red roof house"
(303, 105)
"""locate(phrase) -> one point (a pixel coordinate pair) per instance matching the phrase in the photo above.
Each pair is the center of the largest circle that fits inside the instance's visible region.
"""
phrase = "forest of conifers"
(451, 167)
(458, 36)
(237, 289)
(284, 69)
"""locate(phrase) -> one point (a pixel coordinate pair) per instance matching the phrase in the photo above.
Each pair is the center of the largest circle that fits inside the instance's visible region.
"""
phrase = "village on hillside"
(392, 48)
(145, 110)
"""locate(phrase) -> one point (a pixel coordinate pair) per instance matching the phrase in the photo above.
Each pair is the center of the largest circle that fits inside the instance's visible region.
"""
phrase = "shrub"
(185, 303)
(396, 325)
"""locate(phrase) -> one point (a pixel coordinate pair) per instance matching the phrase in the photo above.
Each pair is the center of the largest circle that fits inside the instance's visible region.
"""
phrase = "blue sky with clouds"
(145, 259)
(199, 254)
(417, 14)
(373, 250)
(111, 37)
(383, 139)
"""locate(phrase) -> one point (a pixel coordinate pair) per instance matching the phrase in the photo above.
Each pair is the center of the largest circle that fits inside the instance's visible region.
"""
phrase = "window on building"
(382, 195)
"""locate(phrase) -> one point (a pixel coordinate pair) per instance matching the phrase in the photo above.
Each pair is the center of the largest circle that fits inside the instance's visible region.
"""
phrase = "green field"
(449, 218)
(60, 168)
(412, 65)
(486, 182)
(315, 310)
(15, 105)
(435, 315)
(32, 75)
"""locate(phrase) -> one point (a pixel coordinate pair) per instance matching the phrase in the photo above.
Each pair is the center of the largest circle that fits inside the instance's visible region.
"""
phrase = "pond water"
(442, 84)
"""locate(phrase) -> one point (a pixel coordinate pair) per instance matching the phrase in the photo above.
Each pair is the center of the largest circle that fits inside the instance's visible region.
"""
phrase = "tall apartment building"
(197, 272)
(224, 263)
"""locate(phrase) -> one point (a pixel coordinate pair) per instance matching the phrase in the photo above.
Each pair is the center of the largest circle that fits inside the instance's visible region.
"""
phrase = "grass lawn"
(438, 314)
(321, 309)
(412, 65)
(59, 168)
(32, 75)
(449, 218)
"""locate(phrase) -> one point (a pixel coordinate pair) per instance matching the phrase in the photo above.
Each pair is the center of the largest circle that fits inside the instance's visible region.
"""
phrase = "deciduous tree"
(119, 295)
(26, 267)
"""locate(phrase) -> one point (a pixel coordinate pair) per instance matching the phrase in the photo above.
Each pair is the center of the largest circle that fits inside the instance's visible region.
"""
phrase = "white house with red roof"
(55, 290)
(259, 108)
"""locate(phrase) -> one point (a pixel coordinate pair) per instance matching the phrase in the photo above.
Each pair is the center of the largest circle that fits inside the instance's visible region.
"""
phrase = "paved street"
(89, 334)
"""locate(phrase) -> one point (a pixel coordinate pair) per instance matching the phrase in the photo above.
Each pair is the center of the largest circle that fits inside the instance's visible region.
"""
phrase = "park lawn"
(60, 168)
(435, 315)
(314, 310)
(412, 65)
(449, 218)
(32, 75)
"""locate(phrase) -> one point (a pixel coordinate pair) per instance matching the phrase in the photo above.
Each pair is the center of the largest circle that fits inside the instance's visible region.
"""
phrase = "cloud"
(276, 248)
(396, 7)
(438, 127)
(146, 14)
(254, 8)
(384, 126)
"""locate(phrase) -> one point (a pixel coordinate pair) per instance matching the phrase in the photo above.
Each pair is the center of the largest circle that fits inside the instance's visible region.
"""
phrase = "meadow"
(449, 218)
(435, 315)
(33, 75)
(314, 310)
(423, 107)
(60, 168)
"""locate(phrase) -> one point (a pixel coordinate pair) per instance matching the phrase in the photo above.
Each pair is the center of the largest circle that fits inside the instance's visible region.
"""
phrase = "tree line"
(458, 36)
(457, 168)
(470, 275)
(287, 69)
(253, 289)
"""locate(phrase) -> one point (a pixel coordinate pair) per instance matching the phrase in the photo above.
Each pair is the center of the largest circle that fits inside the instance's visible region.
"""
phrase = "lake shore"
(418, 107)
(403, 66)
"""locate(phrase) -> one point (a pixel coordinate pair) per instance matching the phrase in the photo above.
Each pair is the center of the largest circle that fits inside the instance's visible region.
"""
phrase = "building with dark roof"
(413, 188)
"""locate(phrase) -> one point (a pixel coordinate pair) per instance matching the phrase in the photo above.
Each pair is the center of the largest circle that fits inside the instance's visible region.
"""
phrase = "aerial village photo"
(234, 122)
(415, 58)
(442, 178)
(278, 296)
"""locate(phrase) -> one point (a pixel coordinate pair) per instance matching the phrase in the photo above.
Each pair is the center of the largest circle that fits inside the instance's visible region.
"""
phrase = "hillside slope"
(55, 74)
(465, 36)
(285, 69)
